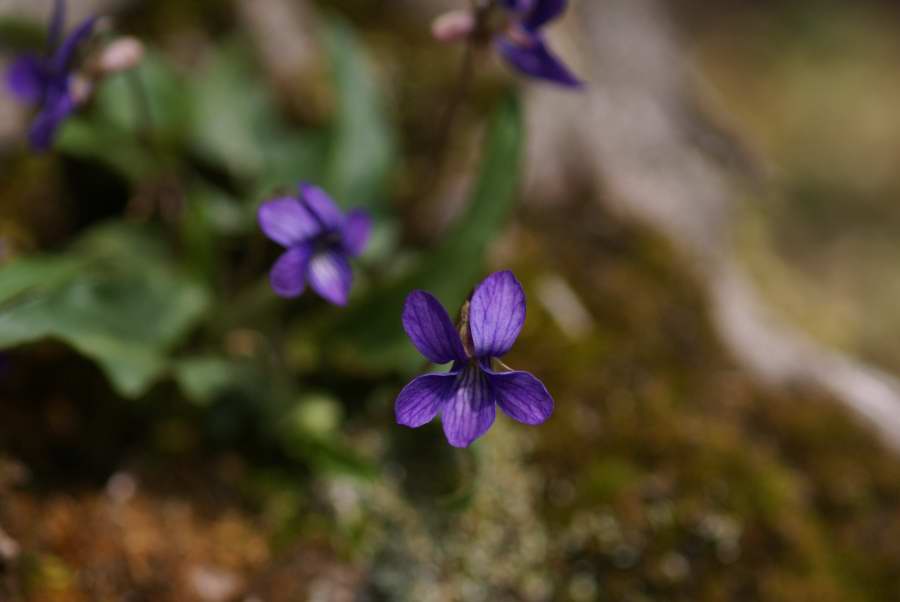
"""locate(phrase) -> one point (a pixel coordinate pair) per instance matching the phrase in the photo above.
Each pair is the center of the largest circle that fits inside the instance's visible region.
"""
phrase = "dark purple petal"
(288, 275)
(496, 314)
(429, 328)
(542, 12)
(63, 55)
(421, 400)
(522, 396)
(469, 411)
(322, 207)
(57, 22)
(25, 79)
(330, 276)
(43, 130)
(287, 222)
(356, 231)
(536, 60)
(519, 6)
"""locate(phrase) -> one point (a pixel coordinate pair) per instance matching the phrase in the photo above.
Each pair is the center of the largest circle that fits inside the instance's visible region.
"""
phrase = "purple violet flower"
(522, 44)
(466, 395)
(47, 81)
(319, 239)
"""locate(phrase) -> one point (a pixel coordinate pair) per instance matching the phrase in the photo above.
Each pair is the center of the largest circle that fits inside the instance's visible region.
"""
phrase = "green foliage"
(116, 297)
(362, 149)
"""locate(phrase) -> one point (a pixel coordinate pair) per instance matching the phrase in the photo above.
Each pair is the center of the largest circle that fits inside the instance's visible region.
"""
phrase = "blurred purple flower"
(320, 240)
(523, 45)
(466, 395)
(47, 81)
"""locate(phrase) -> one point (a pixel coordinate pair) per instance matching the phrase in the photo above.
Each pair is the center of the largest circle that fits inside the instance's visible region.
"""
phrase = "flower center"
(465, 334)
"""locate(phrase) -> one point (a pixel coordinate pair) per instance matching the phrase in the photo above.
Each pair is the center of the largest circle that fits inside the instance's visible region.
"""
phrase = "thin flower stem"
(451, 112)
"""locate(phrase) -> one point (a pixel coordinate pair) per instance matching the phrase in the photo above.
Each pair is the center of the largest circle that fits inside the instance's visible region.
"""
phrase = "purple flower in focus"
(47, 81)
(466, 396)
(320, 240)
(523, 45)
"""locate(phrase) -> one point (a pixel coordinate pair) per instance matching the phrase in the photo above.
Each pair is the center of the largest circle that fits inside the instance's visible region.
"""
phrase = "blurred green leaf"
(136, 118)
(363, 148)
(233, 114)
(370, 334)
(149, 99)
(90, 139)
(236, 124)
(204, 378)
(125, 305)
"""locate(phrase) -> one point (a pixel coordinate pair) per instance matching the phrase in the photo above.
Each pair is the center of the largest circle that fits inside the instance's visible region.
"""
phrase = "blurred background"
(707, 236)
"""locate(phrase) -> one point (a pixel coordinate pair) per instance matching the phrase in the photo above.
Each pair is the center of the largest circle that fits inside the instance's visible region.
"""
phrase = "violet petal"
(536, 60)
(57, 22)
(288, 275)
(25, 79)
(322, 207)
(521, 396)
(429, 328)
(496, 314)
(63, 55)
(330, 276)
(469, 411)
(287, 222)
(356, 231)
(45, 125)
(542, 12)
(421, 400)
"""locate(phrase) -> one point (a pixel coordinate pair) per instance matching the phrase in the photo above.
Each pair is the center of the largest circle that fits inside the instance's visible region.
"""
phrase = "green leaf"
(363, 149)
(115, 297)
(149, 99)
(371, 335)
(137, 117)
(237, 126)
(204, 378)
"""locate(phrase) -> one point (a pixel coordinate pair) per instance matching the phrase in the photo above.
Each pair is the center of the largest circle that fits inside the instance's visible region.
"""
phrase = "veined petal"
(469, 411)
(43, 130)
(542, 12)
(536, 60)
(288, 275)
(63, 55)
(521, 396)
(421, 400)
(287, 221)
(322, 207)
(496, 314)
(25, 79)
(356, 230)
(330, 275)
(429, 328)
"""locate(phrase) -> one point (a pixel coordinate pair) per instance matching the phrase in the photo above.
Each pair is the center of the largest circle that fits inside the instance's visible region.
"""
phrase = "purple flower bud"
(466, 396)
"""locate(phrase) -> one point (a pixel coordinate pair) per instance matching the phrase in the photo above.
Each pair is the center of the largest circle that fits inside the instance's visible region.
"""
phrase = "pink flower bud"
(120, 55)
(453, 26)
(80, 88)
